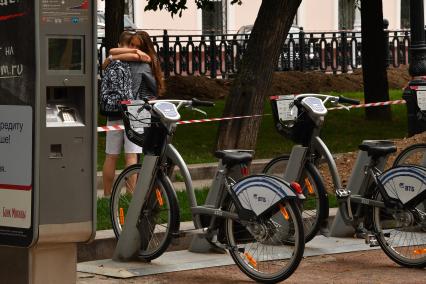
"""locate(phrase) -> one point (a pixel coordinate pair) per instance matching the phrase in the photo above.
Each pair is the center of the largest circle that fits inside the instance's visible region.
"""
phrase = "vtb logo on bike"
(409, 188)
(259, 198)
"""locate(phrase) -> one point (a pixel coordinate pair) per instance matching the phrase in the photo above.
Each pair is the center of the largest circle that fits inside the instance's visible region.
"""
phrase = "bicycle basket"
(291, 121)
(136, 122)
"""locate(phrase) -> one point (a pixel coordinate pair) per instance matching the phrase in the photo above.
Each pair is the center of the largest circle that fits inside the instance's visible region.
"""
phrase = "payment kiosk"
(47, 137)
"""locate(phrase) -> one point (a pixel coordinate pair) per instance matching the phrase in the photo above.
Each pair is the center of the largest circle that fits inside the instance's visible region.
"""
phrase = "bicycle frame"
(318, 145)
(173, 154)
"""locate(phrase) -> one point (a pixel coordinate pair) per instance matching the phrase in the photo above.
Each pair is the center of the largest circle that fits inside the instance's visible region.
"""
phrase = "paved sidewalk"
(185, 260)
(371, 267)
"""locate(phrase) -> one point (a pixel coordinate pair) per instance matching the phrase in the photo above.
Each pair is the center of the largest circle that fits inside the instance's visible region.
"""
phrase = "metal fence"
(219, 55)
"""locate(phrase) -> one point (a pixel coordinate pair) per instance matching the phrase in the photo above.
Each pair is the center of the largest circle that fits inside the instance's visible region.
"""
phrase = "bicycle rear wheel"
(315, 206)
(402, 233)
(260, 249)
(159, 217)
(413, 155)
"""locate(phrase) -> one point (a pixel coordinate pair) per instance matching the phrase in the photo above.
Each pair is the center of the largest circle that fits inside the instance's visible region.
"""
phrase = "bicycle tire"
(248, 250)
(313, 189)
(162, 222)
(392, 241)
(412, 155)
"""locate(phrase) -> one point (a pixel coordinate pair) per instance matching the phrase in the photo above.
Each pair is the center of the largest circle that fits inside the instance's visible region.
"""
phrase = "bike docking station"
(356, 185)
(199, 242)
(47, 138)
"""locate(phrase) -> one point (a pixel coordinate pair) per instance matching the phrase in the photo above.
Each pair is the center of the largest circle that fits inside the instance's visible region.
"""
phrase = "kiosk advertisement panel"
(17, 99)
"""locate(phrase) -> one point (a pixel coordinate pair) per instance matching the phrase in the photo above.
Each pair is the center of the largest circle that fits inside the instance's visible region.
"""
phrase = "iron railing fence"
(220, 55)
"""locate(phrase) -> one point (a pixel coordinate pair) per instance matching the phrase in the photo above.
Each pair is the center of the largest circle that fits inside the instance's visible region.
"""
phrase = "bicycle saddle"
(233, 158)
(377, 150)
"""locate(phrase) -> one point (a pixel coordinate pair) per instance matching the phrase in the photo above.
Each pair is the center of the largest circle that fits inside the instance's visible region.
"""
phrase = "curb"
(103, 246)
(199, 171)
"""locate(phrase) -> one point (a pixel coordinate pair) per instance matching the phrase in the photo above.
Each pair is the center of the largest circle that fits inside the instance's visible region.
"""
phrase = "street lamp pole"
(415, 93)
(418, 44)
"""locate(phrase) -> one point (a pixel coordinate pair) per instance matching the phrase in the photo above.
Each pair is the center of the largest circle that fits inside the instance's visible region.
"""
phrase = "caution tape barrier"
(121, 127)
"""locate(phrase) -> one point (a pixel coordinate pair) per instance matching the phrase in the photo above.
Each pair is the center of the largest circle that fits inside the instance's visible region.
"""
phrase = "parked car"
(128, 24)
(286, 60)
(246, 30)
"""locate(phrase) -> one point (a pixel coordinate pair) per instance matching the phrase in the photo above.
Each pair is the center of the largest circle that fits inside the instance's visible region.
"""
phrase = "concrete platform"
(104, 244)
(185, 260)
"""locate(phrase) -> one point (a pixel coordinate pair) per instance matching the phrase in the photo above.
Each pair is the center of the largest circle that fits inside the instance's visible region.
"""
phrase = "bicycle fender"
(260, 192)
(404, 183)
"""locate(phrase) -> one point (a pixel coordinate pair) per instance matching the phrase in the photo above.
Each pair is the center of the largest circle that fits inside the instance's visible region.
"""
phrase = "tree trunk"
(251, 85)
(374, 58)
(114, 22)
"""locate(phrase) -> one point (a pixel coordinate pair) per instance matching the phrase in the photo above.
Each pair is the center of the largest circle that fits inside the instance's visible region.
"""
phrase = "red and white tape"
(121, 127)
(396, 102)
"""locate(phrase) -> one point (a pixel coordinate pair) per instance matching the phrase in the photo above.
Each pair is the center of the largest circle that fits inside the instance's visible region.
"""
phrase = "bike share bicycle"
(386, 208)
(253, 218)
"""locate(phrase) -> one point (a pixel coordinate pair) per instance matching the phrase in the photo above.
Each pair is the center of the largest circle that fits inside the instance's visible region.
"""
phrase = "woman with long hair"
(148, 48)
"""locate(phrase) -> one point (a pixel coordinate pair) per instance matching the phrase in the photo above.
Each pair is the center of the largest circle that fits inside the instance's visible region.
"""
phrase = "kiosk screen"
(66, 54)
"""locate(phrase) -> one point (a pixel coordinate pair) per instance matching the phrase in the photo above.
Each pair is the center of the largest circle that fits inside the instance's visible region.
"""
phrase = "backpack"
(116, 86)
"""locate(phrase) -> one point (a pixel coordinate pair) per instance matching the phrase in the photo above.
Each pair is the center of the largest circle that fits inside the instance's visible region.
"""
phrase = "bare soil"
(283, 83)
(346, 161)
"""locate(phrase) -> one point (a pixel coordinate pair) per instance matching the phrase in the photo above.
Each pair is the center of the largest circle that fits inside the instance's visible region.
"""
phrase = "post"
(166, 54)
(344, 50)
(302, 49)
(213, 66)
(385, 28)
(416, 89)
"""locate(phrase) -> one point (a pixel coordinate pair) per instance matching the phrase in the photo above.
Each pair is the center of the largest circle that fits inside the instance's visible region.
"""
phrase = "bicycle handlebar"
(327, 98)
(193, 102)
(348, 100)
(196, 102)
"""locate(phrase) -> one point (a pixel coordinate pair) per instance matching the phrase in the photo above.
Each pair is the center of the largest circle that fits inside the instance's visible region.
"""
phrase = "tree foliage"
(178, 6)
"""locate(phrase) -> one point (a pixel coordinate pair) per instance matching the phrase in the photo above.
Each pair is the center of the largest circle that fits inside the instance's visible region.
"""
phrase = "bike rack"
(355, 186)
(199, 243)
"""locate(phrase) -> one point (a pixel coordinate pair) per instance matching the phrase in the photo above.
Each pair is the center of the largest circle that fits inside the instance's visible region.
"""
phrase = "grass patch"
(342, 132)
(103, 216)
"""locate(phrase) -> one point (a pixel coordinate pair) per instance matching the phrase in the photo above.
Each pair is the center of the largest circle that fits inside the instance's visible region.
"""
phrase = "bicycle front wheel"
(315, 206)
(401, 233)
(260, 249)
(413, 155)
(159, 217)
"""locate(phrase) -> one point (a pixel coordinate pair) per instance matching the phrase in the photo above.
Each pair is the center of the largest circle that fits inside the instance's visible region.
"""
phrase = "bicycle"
(252, 218)
(412, 155)
(384, 207)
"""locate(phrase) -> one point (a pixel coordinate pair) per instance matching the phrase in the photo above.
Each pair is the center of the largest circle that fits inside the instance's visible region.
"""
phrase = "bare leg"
(131, 159)
(109, 172)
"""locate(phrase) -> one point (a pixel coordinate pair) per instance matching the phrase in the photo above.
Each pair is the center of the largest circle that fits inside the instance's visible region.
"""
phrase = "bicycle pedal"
(371, 240)
(342, 193)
